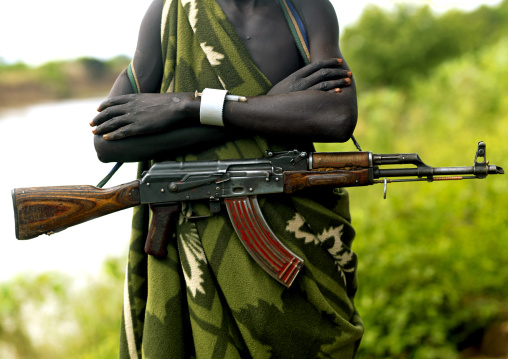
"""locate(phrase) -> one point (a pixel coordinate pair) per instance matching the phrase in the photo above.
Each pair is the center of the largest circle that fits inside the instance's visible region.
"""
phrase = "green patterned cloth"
(208, 298)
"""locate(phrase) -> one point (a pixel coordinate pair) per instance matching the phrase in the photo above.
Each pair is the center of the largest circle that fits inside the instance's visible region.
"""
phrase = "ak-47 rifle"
(236, 183)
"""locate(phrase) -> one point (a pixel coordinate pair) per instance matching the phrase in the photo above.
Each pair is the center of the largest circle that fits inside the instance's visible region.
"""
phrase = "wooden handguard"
(162, 227)
(46, 210)
(340, 160)
(299, 180)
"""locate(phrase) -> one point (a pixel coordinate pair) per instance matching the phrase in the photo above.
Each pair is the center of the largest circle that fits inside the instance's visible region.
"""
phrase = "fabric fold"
(209, 298)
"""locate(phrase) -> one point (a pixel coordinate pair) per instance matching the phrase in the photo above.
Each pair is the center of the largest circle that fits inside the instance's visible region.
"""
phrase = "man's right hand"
(142, 114)
(326, 75)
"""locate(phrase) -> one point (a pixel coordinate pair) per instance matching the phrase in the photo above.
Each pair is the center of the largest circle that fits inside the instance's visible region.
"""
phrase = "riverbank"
(21, 85)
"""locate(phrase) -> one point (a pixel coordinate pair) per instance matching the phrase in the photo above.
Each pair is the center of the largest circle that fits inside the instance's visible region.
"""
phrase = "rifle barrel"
(436, 171)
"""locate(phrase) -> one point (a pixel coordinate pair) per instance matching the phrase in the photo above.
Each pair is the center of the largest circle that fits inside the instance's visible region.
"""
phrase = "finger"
(321, 77)
(111, 125)
(114, 101)
(122, 132)
(331, 85)
(106, 115)
(327, 74)
(316, 66)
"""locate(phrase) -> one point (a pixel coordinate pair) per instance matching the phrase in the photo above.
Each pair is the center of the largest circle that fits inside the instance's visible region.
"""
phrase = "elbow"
(343, 126)
(338, 118)
(104, 158)
(124, 150)
(101, 148)
(349, 125)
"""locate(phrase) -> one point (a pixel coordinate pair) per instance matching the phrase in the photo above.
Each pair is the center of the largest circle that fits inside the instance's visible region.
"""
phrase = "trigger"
(214, 206)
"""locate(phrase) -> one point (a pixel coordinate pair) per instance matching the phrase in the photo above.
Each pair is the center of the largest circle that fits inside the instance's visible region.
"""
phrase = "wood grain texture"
(163, 225)
(46, 210)
(344, 160)
(298, 180)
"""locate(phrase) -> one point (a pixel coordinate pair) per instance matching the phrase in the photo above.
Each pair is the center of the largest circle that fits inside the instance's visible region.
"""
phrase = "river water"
(50, 145)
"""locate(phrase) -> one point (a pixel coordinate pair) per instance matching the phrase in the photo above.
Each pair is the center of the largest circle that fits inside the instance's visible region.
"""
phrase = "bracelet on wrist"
(212, 105)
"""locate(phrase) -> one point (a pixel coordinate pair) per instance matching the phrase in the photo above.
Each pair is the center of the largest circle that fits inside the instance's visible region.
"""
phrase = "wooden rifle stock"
(46, 210)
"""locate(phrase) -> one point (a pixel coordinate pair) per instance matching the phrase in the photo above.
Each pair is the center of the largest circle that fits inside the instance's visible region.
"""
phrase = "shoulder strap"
(297, 29)
(131, 73)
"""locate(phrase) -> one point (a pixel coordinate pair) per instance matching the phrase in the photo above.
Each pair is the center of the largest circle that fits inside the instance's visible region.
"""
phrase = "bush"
(392, 48)
(48, 316)
(433, 256)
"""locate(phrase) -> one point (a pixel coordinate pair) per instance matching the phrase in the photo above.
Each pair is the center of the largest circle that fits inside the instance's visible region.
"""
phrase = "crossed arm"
(317, 102)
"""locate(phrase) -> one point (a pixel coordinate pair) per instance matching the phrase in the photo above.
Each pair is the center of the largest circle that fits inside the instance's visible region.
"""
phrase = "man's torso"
(265, 32)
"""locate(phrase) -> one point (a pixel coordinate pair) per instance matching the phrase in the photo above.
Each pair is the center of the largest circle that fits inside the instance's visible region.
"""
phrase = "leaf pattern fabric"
(208, 298)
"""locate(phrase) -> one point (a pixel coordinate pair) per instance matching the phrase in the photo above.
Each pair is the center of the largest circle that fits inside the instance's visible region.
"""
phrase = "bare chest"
(266, 34)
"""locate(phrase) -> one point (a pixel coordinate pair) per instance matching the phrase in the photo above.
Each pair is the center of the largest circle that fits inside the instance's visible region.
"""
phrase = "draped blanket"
(208, 297)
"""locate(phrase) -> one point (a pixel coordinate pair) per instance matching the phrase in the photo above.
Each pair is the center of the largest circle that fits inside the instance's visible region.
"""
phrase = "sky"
(62, 29)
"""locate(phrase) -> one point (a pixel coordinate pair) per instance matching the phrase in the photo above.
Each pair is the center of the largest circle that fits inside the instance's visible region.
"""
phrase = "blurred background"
(432, 78)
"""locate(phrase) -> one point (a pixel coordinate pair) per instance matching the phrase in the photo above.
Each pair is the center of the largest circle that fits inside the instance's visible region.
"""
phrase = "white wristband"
(212, 106)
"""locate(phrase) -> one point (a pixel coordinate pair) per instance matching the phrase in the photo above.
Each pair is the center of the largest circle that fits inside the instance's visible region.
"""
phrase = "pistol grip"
(161, 228)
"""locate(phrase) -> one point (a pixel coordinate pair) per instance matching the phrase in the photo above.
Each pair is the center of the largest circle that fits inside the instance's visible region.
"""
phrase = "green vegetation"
(395, 48)
(21, 84)
(433, 256)
(49, 316)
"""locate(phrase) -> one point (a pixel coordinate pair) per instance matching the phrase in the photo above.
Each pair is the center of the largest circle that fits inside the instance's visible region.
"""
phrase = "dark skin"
(316, 102)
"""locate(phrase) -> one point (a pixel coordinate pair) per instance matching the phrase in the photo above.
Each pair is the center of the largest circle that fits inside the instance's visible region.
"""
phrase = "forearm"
(161, 146)
(316, 116)
(155, 123)
(306, 105)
